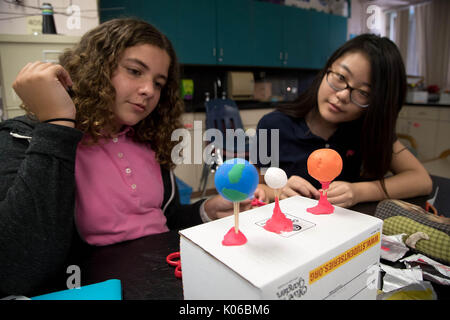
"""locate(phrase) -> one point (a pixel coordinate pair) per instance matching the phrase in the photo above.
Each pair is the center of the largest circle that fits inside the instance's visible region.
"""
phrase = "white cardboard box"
(326, 256)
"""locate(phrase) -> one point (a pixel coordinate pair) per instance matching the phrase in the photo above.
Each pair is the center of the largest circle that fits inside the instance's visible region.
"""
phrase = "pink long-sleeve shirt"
(119, 191)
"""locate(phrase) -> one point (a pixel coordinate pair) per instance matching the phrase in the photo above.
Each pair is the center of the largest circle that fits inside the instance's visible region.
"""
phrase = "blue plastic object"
(223, 114)
(236, 179)
(106, 290)
(185, 191)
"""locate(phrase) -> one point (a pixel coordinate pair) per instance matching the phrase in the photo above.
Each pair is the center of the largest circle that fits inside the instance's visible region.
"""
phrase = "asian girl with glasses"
(352, 107)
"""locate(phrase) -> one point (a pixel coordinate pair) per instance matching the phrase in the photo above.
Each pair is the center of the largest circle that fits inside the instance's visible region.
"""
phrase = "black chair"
(223, 114)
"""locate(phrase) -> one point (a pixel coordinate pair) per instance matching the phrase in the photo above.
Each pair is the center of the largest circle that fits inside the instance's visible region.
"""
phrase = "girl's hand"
(218, 207)
(43, 89)
(342, 194)
(296, 185)
(260, 194)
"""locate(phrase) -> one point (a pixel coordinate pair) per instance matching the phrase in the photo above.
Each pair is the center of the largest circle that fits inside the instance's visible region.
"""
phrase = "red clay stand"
(278, 223)
(323, 207)
(234, 239)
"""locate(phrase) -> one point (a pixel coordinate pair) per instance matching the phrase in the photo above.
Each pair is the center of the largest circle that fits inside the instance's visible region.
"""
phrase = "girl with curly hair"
(103, 152)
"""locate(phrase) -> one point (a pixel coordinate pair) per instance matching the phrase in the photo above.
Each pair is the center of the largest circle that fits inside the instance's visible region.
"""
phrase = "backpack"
(425, 232)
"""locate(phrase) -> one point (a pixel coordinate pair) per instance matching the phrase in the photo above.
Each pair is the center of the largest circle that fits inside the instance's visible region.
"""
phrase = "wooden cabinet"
(310, 37)
(296, 45)
(318, 39)
(239, 32)
(189, 24)
(110, 9)
(337, 35)
(268, 37)
(234, 32)
(195, 40)
(429, 126)
(295, 38)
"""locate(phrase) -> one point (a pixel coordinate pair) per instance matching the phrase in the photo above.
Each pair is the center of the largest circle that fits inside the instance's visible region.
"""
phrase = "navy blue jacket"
(297, 142)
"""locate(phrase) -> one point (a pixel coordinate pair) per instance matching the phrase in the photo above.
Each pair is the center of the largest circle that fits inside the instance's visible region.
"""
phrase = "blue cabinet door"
(189, 24)
(234, 32)
(296, 46)
(196, 32)
(267, 35)
(110, 9)
(238, 32)
(318, 39)
(160, 14)
(337, 32)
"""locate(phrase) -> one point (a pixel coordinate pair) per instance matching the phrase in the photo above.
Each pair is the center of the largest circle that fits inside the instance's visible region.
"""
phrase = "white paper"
(443, 269)
(398, 278)
(392, 247)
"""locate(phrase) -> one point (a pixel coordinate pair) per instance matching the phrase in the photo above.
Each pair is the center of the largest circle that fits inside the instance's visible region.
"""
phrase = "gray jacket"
(37, 198)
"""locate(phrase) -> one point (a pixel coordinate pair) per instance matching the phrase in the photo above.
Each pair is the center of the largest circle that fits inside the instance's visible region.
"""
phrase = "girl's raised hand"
(260, 194)
(43, 89)
(218, 207)
(299, 186)
(342, 194)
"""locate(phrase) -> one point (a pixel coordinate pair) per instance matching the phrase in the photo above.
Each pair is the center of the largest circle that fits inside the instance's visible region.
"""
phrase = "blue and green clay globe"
(236, 179)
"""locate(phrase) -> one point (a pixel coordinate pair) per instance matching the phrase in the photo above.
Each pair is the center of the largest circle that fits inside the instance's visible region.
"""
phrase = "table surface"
(141, 264)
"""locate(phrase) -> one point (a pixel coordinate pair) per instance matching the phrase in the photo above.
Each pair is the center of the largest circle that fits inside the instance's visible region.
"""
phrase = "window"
(411, 61)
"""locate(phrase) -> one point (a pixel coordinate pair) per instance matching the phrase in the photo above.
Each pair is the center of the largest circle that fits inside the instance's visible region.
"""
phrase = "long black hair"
(388, 89)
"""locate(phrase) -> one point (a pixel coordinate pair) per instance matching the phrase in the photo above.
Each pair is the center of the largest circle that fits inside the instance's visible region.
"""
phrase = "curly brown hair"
(91, 64)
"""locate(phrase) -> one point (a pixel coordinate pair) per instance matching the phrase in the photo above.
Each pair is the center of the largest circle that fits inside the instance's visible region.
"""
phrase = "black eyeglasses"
(338, 83)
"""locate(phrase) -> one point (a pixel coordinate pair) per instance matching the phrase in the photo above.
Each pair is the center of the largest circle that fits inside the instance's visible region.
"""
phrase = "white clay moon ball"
(275, 178)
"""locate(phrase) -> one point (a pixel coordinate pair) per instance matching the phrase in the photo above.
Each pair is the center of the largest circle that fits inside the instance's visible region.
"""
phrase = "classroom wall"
(72, 17)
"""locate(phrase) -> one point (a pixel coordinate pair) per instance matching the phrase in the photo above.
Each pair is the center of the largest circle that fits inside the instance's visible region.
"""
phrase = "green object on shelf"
(187, 89)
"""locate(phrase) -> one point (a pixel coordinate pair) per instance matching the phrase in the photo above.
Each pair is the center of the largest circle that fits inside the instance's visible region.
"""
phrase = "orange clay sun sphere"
(324, 165)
